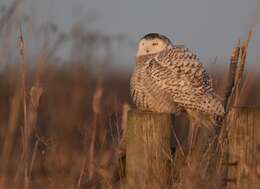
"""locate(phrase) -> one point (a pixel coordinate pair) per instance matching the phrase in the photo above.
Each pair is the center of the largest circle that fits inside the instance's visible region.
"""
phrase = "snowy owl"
(169, 78)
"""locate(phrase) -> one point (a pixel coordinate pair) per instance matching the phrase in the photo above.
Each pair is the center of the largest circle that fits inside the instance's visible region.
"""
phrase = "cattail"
(231, 75)
(241, 67)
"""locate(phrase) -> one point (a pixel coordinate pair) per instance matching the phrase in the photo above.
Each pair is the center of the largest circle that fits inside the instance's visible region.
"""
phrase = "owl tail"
(198, 119)
(206, 120)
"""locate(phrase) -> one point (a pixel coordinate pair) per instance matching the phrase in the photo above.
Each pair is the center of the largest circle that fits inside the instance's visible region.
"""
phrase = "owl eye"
(154, 44)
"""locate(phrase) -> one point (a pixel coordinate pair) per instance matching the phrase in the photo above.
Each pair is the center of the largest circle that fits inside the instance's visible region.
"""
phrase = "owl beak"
(147, 51)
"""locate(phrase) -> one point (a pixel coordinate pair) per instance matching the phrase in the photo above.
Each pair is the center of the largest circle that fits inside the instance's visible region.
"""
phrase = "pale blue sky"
(209, 27)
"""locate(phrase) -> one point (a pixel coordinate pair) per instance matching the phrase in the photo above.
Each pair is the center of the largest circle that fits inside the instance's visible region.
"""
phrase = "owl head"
(152, 43)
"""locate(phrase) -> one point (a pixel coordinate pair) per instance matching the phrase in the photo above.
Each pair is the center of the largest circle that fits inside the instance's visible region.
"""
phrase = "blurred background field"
(84, 75)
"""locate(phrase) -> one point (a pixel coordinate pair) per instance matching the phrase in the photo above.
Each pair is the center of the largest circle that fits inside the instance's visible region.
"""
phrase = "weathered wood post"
(148, 141)
(243, 126)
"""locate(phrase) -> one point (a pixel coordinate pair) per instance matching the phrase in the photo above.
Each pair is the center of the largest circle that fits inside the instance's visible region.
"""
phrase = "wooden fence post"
(243, 126)
(148, 154)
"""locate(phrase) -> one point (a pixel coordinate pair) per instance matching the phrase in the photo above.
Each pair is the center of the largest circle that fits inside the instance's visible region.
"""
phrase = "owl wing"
(181, 75)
